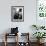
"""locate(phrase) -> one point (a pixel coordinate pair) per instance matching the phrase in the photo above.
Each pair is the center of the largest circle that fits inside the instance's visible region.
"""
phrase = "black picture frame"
(17, 13)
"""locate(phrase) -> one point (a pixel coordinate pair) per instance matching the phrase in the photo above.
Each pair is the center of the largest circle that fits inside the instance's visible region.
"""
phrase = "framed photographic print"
(17, 13)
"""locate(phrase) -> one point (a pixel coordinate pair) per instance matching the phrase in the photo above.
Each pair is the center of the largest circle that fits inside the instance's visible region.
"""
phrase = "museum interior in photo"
(22, 22)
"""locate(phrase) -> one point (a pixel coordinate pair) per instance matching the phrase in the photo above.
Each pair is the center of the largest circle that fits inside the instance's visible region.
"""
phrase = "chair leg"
(5, 39)
(5, 43)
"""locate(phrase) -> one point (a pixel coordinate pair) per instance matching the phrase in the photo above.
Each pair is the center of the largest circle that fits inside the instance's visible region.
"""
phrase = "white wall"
(29, 15)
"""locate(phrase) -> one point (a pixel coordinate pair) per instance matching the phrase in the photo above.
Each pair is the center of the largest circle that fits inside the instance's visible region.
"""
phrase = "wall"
(29, 15)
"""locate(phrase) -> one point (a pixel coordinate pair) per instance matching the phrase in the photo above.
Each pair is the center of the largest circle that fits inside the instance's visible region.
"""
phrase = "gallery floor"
(13, 44)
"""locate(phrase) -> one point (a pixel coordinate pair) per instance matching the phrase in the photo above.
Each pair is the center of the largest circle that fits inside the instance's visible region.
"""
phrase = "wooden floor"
(13, 44)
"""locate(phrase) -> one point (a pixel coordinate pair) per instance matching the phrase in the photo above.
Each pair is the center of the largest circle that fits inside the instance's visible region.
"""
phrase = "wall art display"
(17, 13)
(41, 12)
(41, 8)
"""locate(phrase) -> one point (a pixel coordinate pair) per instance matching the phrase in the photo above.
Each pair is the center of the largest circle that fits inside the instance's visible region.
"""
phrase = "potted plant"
(35, 26)
(39, 35)
(38, 27)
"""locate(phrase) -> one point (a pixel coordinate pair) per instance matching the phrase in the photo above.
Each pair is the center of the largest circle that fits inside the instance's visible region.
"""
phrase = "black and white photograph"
(17, 13)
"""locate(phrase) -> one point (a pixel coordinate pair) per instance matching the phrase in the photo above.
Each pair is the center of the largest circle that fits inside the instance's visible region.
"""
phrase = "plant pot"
(40, 41)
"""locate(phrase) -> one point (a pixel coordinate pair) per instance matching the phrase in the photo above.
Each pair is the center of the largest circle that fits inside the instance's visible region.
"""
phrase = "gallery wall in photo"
(17, 13)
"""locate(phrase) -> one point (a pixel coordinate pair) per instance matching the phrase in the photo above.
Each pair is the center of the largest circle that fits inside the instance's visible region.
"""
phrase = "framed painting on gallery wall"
(17, 13)
(41, 12)
(41, 8)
